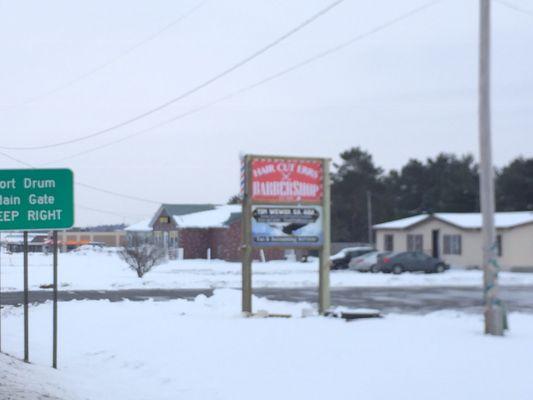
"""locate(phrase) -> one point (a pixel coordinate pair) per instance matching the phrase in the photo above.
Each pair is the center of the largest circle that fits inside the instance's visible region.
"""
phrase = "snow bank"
(103, 270)
(204, 349)
(20, 381)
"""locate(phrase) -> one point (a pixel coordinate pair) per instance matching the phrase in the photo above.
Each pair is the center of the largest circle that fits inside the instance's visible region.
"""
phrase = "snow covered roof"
(18, 238)
(473, 220)
(193, 216)
(142, 226)
(402, 223)
(215, 218)
(463, 220)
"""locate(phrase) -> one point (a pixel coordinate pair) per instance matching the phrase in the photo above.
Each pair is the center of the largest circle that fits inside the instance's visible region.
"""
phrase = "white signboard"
(287, 226)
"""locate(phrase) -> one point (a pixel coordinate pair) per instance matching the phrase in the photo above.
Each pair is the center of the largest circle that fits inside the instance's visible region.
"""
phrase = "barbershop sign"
(286, 180)
(285, 205)
(36, 199)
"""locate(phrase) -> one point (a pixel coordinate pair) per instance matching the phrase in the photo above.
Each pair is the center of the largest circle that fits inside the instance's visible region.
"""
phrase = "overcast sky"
(408, 91)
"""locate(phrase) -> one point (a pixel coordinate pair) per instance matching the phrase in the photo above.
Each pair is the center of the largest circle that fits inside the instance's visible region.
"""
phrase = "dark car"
(411, 261)
(343, 257)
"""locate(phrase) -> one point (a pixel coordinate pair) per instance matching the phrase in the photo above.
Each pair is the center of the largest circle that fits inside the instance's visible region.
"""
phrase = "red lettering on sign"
(286, 180)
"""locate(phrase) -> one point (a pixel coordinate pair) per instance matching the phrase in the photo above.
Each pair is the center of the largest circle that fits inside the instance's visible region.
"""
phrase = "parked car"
(343, 257)
(367, 262)
(410, 261)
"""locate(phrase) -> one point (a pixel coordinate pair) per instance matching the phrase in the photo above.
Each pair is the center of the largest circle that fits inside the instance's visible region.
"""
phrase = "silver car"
(367, 262)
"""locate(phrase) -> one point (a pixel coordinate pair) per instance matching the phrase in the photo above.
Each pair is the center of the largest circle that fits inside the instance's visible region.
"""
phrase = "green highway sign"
(36, 199)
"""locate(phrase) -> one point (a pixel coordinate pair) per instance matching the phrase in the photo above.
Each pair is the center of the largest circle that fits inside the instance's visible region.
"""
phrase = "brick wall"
(195, 242)
(225, 244)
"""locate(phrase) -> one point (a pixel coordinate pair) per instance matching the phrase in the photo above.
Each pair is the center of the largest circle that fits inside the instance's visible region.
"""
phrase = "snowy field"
(203, 349)
(105, 271)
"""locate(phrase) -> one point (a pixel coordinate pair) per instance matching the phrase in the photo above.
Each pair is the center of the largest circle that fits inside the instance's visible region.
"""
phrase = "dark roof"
(183, 209)
(39, 239)
(232, 218)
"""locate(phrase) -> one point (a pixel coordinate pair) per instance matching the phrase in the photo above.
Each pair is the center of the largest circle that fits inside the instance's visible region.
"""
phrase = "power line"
(16, 160)
(114, 59)
(276, 75)
(514, 7)
(261, 82)
(90, 187)
(125, 196)
(85, 185)
(279, 74)
(107, 212)
(189, 92)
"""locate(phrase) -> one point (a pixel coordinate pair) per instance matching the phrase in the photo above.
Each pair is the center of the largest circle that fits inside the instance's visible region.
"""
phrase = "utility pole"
(495, 321)
(369, 219)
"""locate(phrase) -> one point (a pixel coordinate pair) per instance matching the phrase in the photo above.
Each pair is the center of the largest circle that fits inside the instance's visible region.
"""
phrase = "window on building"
(164, 220)
(415, 243)
(389, 242)
(499, 245)
(173, 238)
(452, 244)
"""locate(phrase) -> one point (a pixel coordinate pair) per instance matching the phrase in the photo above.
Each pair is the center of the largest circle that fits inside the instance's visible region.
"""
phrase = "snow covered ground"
(20, 381)
(101, 270)
(204, 349)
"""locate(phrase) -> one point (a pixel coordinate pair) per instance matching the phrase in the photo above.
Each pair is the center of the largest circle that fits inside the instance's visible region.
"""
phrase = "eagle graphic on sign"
(285, 220)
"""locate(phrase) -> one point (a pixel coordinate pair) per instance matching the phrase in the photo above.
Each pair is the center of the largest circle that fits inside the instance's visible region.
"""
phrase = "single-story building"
(456, 237)
(70, 239)
(67, 240)
(14, 242)
(198, 231)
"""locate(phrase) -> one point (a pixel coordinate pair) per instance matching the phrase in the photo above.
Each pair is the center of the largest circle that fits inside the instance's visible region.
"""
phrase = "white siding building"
(456, 237)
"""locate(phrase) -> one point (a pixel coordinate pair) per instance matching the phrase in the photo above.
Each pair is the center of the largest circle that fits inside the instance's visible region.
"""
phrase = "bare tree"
(141, 254)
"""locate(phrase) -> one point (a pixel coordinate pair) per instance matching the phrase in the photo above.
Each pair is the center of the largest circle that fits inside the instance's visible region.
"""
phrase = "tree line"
(445, 183)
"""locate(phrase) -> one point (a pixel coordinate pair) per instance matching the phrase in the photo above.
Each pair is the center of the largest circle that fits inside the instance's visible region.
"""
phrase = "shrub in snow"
(141, 255)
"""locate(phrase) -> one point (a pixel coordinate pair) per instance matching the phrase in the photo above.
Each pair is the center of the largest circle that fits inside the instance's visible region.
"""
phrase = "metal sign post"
(54, 340)
(286, 205)
(37, 199)
(26, 301)
(0, 292)
(369, 217)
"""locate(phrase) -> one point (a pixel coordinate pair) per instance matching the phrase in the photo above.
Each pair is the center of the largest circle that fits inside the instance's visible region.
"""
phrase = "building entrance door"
(435, 243)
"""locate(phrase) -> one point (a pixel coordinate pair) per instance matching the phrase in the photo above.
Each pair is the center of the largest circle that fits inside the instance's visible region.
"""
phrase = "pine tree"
(514, 186)
(354, 176)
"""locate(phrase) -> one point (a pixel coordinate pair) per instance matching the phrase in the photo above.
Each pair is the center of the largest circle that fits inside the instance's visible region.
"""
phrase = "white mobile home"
(456, 237)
